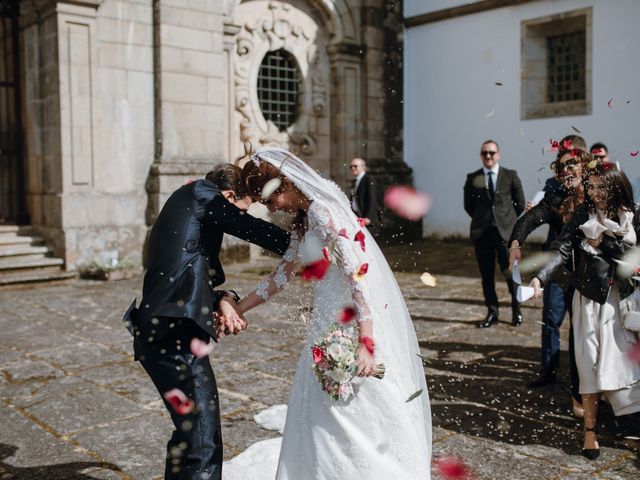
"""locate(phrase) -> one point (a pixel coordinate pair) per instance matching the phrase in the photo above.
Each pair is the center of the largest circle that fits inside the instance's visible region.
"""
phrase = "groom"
(179, 303)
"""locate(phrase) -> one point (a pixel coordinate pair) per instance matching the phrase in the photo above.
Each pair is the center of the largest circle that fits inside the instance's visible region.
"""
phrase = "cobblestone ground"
(76, 406)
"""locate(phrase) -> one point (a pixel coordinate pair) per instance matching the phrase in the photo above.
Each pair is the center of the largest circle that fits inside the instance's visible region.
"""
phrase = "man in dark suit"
(179, 303)
(363, 194)
(493, 198)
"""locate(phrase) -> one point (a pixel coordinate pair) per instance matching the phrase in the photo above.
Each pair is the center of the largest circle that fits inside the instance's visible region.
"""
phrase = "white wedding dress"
(377, 434)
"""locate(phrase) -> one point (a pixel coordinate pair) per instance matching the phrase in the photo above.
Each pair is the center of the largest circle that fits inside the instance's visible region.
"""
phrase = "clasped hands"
(229, 319)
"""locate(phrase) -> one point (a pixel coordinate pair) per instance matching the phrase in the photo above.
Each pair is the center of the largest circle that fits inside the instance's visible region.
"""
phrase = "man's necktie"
(492, 193)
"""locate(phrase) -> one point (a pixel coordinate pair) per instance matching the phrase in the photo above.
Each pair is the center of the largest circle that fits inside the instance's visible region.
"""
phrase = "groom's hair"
(228, 177)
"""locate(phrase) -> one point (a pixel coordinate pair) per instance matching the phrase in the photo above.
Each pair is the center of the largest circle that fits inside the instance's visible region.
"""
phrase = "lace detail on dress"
(276, 281)
(346, 253)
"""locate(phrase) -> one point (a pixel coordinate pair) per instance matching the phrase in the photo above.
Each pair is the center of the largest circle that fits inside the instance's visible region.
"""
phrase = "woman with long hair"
(603, 229)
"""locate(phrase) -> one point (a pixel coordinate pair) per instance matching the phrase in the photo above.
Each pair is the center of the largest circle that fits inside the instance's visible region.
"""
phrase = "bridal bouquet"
(334, 361)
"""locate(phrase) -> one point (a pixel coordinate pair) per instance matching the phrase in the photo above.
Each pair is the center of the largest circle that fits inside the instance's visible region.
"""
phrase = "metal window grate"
(566, 67)
(279, 88)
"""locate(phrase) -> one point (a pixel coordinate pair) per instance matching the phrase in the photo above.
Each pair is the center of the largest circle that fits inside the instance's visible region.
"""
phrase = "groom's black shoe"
(516, 318)
(489, 320)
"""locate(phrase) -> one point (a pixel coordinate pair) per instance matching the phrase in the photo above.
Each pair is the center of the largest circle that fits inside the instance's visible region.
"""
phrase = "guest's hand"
(529, 206)
(367, 221)
(230, 319)
(595, 242)
(537, 287)
(515, 253)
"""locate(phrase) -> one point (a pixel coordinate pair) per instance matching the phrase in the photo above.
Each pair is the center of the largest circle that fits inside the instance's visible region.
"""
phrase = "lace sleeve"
(346, 246)
(276, 281)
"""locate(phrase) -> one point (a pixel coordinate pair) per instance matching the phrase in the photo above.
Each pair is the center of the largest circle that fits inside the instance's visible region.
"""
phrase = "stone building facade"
(122, 101)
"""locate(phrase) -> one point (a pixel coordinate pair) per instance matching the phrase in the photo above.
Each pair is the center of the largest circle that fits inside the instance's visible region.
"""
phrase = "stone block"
(124, 31)
(216, 91)
(374, 37)
(183, 37)
(206, 64)
(130, 57)
(375, 88)
(111, 83)
(192, 18)
(180, 87)
(140, 91)
(126, 9)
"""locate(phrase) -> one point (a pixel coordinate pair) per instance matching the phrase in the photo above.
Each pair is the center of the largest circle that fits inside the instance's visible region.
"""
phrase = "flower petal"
(361, 272)
(361, 222)
(200, 348)
(346, 315)
(179, 401)
(413, 396)
(452, 468)
(343, 233)
(634, 154)
(610, 103)
(270, 187)
(360, 238)
(406, 202)
(368, 344)
(428, 279)
(316, 270)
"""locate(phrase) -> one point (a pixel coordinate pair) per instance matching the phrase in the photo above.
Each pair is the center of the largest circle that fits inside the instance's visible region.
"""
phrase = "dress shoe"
(591, 453)
(489, 320)
(516, 318)
(546, 377)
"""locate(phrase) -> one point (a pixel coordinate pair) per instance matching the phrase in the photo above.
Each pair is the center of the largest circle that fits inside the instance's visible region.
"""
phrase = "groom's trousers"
(194, 451)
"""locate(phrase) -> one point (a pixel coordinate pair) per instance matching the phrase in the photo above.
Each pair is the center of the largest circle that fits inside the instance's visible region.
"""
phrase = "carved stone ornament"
(268, 26)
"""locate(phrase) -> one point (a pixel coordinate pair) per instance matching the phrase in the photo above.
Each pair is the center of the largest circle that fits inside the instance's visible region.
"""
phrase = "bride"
(384, 430)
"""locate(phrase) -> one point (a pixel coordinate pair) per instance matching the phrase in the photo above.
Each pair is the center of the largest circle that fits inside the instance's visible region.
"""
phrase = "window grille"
(279, 88)
(566, 67)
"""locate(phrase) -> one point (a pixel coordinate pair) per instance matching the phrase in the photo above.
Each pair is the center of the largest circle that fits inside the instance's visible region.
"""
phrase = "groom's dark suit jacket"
(182, 265)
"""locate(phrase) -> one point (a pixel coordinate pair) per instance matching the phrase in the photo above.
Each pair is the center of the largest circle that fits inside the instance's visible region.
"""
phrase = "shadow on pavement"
(63, 471)
(481, 390)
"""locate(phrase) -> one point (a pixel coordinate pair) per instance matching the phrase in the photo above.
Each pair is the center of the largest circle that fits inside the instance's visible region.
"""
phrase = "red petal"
(179, 401)
(318, 354)
(343, 233)
(325, 253)
(360, 238)
(451, 468)
(567, 144)
(316, 270)
(364, 268)
(634, 353)
(201, 348)
(634, 154)
(361, 222)
(346, 315)
(406, 202)
(368, 344)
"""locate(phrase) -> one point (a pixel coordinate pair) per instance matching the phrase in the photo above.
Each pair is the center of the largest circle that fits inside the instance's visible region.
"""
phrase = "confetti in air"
(576, 130)
(270, 187)
(361, 272)
(634, 154)
(179, 401)
(413, 396)
(406, 202)
(610, 103)
(200, 348)
(498, 84)
(346, 315)
(428, 279)
(316, 270)
(360, 239)
(490, 114)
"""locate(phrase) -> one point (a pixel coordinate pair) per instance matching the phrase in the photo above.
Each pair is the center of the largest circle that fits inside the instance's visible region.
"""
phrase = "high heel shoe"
(591, 453)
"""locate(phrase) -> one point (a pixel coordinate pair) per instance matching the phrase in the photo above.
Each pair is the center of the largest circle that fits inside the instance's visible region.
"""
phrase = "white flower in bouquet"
(340, 353)
(339, 375)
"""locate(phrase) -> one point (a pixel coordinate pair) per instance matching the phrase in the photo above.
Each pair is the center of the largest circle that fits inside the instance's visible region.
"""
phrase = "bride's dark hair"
(256, 175)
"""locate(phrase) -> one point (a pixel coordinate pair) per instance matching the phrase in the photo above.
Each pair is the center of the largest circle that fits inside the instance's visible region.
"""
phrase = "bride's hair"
(255, 176)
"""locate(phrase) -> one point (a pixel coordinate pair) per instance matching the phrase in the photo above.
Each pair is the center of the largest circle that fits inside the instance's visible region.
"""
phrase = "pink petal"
(179, 401)
(368, 344)
(634, 154)
(360, 238)
(361, 222)
(406, 202)
(346, 315)
(343, 233)
(200, 348)
(452, 468)
(634, 353)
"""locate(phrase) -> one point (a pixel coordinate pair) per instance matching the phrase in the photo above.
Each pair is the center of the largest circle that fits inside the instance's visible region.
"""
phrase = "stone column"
(189, 105)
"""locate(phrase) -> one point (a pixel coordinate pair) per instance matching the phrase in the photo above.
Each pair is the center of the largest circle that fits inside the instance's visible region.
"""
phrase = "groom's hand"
(229, 318)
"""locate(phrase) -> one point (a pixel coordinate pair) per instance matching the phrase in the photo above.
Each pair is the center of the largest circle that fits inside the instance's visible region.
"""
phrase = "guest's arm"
(517, 194)
(469, 201)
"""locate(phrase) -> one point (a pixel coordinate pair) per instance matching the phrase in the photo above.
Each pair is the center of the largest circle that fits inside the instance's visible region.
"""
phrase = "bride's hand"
(365, 361)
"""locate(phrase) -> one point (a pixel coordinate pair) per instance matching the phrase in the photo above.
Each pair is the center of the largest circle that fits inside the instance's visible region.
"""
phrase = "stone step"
(12, 239)
(28, 261)
(4, 228)
(46, 274)
(22, 249)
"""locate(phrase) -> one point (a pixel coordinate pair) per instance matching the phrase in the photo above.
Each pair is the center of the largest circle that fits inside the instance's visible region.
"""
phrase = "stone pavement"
(76, 406)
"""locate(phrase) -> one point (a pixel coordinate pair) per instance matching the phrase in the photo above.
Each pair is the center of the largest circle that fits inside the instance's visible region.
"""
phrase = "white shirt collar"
(359, 177)
(495, 169)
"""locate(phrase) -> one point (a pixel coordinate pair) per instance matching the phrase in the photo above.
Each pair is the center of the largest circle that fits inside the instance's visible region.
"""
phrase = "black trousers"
(194, 451)
(489, 247)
